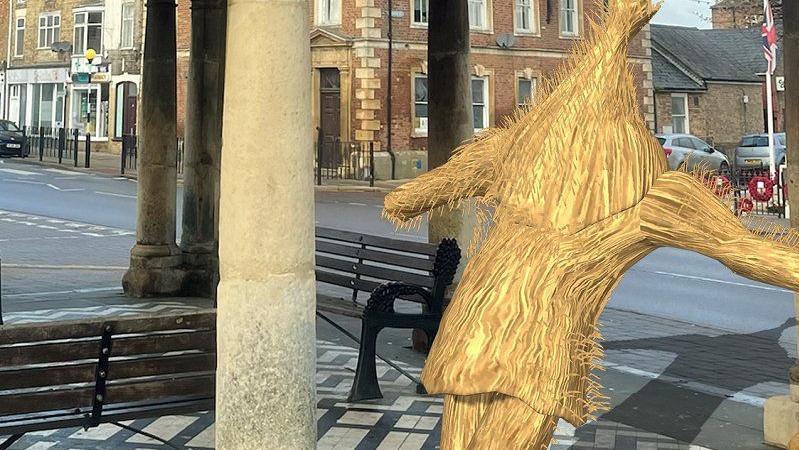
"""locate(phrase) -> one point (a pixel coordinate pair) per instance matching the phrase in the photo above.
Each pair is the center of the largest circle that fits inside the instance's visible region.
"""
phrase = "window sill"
(569, 36)
(418, 134)
(419, 25)
(526, 33)
(330, 25)
(481, 30)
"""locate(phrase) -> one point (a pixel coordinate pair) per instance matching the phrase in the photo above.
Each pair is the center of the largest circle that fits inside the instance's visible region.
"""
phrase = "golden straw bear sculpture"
(578, 191)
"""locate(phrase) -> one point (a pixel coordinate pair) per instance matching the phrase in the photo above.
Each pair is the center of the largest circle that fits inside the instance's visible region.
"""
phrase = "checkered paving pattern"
(401, 420)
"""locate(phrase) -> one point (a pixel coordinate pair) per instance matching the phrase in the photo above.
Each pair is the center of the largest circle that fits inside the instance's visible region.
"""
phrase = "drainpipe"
(6, 104)
(389, 119)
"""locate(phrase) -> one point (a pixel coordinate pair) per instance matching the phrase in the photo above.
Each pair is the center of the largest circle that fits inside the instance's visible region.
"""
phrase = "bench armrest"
(383, 297)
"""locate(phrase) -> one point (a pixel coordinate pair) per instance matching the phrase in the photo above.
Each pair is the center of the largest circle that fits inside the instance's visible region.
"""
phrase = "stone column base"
(155, 271)
(780, 420)
(202, 274)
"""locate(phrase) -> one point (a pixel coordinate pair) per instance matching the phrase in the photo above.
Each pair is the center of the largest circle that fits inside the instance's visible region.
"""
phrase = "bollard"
(88, 156)
(75, 135)
(62, 140)
(319, 157)
(124, 151)
(41, 142)
(371, 164)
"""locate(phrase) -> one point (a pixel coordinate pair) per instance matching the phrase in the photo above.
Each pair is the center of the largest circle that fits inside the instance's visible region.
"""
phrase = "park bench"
(361, 275)
(90, 372)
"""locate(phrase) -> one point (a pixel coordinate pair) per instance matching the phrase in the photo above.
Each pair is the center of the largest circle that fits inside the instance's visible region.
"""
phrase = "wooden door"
(330, 117)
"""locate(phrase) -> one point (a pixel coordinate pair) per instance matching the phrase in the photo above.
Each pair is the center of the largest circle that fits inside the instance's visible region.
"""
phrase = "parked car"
(752, 151)
(12, 140)
(690, 150)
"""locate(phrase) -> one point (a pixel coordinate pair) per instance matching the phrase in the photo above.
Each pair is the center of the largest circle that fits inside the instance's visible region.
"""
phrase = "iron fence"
(130, 151)
(337, 159)
(58, 144)
(740, 180)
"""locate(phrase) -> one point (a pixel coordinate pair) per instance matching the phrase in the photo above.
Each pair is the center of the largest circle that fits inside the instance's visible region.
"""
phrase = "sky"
(687, 13)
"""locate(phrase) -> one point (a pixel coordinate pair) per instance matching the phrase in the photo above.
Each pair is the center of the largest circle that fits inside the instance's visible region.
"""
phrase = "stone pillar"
(781, 413)
(266, 301)
(203, 145)
(155, 259)
(449, 109)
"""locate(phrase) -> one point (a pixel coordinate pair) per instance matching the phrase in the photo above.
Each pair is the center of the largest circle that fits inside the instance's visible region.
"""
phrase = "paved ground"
(693, 350)
(670, 384)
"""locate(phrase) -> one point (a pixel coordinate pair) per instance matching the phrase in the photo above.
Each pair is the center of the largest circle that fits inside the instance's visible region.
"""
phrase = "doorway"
(330, 117)
(126, 96)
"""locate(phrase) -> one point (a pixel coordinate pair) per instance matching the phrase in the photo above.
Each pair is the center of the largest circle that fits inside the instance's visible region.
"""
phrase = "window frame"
(532, 17)
(486, 101)
(414, 130)
(483, 15)
(533, 84)
(132, 24)
(85, 29)
(685, 116)
(55, 29)
(19, 44)
(424, 4)
(333, 12)
(575, 12)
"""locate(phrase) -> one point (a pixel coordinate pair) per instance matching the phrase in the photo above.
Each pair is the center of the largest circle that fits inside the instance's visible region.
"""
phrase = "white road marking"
(693, 385)
(714, 280)
(19, 172)
(358, 204)
(14, 180)
(74, 291)
(51, 186)
(63, 266)
(62, 226)
(63, 172)
(114, 194)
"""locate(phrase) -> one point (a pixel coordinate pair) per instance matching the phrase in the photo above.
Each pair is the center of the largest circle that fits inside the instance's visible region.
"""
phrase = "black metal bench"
(381, 270)
(89, 372)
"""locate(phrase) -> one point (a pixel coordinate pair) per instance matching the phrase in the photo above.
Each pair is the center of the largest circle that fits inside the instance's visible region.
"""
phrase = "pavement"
(693, 350)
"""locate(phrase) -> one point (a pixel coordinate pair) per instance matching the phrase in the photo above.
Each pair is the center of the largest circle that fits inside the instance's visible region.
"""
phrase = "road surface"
(670, 283)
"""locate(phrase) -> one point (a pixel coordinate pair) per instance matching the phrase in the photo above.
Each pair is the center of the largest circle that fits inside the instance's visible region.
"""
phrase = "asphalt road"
(669, 283)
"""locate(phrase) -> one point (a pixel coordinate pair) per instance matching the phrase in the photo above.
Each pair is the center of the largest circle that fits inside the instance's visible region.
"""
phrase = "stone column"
(781, 413)
(266, 328)
(155, 259)
(450, 118)
(203, 145)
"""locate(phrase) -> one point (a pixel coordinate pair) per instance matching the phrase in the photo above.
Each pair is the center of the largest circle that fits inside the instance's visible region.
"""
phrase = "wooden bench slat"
(32, 377)
(337, 305)
(346, 281)
(422, 248)
(14, 334)
(90, 349)
(81, 397)
(368, 254)
(380, 273)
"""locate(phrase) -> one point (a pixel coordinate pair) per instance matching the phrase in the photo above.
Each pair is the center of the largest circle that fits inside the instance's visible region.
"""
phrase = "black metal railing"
(743, 200)
(130, 151)
(336, 159)
(62, 145)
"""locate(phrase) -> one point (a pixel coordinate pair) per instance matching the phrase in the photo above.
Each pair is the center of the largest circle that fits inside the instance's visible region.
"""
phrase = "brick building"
(741, 13)
(711, 83)
(45, 54)
(514, 44)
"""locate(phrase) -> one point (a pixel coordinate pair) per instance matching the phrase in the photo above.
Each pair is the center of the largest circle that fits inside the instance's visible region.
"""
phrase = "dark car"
(12, 140)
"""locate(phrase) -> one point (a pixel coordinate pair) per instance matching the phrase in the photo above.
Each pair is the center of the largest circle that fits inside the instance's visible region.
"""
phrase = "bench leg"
(10, 440)
(365, 386)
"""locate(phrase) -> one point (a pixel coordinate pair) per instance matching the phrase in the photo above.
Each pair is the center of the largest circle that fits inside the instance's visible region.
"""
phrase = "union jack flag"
(769, 32)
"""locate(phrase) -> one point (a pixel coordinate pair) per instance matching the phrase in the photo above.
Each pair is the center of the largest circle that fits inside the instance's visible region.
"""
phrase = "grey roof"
(713, 55)
(666, 75)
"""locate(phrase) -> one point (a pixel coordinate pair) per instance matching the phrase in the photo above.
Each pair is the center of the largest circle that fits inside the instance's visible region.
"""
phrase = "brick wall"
(718, 115)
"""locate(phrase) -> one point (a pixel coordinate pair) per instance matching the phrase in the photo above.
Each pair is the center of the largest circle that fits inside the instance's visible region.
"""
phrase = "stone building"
(741, 13)
(710, 83)
(45, 46)
(514, 43)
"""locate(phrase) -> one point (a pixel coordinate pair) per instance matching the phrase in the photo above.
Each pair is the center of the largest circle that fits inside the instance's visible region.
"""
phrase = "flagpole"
(770, 119)
(769, 105)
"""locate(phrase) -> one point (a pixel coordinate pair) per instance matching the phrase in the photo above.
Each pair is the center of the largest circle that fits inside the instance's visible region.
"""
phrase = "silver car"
(752, 151)
(693, 152)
